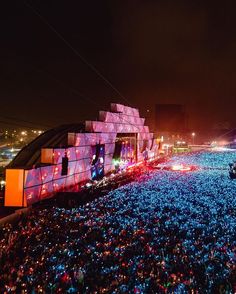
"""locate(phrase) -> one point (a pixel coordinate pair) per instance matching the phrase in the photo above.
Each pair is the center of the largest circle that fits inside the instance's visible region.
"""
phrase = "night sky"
(151, 51)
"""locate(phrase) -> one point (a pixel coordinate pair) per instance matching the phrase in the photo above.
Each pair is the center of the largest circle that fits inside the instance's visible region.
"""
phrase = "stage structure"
(116, 141)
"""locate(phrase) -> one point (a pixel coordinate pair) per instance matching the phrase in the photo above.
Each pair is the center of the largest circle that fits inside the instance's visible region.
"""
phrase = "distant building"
(170, 118)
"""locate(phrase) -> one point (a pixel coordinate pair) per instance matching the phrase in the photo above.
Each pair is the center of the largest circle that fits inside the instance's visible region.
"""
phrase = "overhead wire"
(84, 97)
(226, 133)
(89, 64)
(17, 125)
(24, 121)
(92, 67)
(61, 83)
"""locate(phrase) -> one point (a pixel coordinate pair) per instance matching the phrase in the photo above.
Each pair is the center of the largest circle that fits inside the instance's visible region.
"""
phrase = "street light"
(148, 117)
(193, 135)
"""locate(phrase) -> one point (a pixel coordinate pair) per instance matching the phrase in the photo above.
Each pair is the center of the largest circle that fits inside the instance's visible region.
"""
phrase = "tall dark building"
(170, 118)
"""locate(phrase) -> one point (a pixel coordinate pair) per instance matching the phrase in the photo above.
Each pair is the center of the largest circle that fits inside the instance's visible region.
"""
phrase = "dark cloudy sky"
(152, 51)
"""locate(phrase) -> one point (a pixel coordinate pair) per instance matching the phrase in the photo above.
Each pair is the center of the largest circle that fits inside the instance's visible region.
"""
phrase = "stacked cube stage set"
(117, 140)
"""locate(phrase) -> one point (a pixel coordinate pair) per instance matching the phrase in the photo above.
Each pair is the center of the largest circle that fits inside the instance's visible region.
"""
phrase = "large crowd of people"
(166, 232)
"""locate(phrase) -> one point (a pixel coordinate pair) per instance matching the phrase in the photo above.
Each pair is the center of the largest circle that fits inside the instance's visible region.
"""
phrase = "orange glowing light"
(180, 167)
(14, 193)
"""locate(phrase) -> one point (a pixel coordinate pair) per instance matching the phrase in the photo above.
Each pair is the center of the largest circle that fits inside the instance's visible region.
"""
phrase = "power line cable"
(91, 66)
(17, 124)
(228, 132)
(81, 57)
(84, 97)
(24, 121)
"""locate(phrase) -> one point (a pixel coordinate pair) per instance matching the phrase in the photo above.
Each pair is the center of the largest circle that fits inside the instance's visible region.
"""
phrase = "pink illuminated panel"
(107, 138)
(71, 153)
(46, 174)
(128, 110)
(109, 148)
(46, 180)
(85, 175)
(71, 167)
(80, 166)
(108, 159)
(32, 194)
(71, 139)
(83, 152)
(146, 128)
(57, 171)
(117, 107)
(87, 164)
(58, 154)
(59, 185)
(80, 139)
(33, 177)
(70, 181)
(46, 190)
(120, 128)
(77, 178)
(91, 139)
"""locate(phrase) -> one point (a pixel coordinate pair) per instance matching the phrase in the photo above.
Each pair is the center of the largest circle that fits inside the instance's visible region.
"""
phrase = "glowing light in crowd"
(193, 136)
(180, 167)
(2, 183)
(165, 232)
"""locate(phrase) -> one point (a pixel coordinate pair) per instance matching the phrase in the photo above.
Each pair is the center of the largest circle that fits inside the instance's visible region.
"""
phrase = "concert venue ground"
(165, 232)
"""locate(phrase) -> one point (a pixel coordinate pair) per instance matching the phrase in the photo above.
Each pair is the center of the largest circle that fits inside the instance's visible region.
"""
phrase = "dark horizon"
(151, 51)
